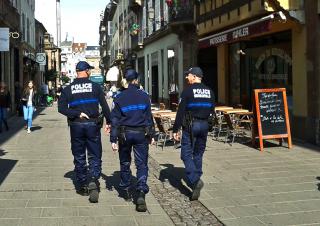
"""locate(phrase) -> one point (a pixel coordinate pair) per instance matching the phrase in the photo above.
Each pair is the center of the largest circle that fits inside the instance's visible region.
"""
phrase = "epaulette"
(142, 90)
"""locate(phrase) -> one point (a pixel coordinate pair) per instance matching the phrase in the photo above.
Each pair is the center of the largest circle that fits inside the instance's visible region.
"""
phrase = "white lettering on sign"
(219, 39)
(201, 93)
(240, 33)
(81, 88)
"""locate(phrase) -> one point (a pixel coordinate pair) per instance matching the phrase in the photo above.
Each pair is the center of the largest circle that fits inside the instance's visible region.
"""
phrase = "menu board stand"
(271, 116)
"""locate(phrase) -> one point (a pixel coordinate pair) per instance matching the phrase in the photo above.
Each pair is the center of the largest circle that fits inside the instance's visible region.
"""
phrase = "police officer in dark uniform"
(80, 101)
(196, 105)
(132, 128)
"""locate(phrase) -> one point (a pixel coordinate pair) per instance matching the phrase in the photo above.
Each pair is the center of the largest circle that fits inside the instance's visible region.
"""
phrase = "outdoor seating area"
(228, 124)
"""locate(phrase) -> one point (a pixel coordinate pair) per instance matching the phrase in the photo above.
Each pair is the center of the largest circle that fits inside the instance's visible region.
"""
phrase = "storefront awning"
(255, 27)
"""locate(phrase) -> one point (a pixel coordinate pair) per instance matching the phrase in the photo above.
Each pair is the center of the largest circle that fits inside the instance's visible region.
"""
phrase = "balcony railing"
(181, 13)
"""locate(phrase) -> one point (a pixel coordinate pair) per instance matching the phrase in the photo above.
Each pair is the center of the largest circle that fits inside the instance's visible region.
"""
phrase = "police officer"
(132, 128)
(196, 105)
(80, 101)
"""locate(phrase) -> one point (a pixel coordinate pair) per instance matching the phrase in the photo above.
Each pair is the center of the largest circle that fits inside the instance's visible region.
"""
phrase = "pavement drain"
(170, 193)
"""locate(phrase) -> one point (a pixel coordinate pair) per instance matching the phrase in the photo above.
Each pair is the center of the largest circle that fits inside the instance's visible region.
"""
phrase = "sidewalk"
(36, 186)
(246, 187)
(242, 185)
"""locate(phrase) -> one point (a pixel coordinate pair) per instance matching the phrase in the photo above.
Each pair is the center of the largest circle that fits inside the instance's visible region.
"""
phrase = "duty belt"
(134, 128)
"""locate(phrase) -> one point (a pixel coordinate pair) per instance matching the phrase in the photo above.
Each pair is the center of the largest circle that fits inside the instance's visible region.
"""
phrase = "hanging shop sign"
(235, 34)
(41, 58)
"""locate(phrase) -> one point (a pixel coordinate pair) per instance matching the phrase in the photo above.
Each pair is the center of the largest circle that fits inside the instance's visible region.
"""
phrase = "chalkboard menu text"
(271, 113)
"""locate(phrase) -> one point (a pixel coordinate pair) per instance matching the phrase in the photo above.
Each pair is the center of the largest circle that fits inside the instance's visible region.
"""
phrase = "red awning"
(237, 33)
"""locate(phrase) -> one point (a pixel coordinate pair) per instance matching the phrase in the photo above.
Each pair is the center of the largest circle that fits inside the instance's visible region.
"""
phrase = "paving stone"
(13, 203)
(22, 213)
(116, 221)
(45, 203)
(245, 221)
(10, 222)
(59, 212)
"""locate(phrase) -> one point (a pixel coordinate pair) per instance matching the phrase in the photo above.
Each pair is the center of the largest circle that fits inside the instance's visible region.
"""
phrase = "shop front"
(263, 62)
(264, 53)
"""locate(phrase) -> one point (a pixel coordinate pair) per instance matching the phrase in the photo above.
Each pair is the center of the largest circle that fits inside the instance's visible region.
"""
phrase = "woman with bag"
(28, 102)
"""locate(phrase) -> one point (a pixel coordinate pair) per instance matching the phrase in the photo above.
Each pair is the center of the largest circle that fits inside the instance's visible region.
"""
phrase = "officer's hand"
(107, 128)
(152, 141)
(176, 136)
(84, 115)
(114, 147)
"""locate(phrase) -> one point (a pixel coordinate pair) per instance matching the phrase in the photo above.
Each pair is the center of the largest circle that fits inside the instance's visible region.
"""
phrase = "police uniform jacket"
(197, 99)
(83, 95)
(131, 108)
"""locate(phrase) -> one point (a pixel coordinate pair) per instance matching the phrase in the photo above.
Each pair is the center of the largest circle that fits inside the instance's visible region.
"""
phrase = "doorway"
(155, 86)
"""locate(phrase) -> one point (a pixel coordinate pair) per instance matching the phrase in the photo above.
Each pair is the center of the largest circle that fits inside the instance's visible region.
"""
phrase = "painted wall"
(164, 44)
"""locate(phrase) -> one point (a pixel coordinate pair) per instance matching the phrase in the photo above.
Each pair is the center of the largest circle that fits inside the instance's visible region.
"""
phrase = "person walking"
(132, 128)
(196, 105)
(28, 102)
(5, 104)
(80, 101)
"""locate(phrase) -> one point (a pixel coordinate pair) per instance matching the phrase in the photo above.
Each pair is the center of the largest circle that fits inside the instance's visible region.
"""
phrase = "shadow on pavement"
(16, 123)
(113, 181)
(174, 175)
(34, 128)
(6, 165)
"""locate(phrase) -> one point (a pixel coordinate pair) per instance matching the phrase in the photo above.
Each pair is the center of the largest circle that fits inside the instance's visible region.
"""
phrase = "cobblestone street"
(242, 185)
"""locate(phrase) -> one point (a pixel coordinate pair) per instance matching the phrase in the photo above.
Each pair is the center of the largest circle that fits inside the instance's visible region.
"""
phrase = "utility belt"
(199, 119)
(98, 121)
(143, 129)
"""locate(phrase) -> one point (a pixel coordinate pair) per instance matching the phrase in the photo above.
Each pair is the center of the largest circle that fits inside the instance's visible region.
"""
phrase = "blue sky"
(80, 18)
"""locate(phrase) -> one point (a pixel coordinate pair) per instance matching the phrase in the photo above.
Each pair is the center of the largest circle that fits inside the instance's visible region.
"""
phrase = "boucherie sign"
(235, 34)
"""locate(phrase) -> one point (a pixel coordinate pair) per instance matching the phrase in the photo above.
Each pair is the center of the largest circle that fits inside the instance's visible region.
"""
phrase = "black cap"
(131, 74)
(195, 71)
(83, 65)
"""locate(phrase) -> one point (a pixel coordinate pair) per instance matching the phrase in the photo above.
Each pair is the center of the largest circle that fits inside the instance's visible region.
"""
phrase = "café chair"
(164, 125)
(219, 125)
(233, 128)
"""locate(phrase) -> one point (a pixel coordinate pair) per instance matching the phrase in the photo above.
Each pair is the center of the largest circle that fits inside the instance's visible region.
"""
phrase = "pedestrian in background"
(80, 101)
(196, 105)
(132, 129)
(28, 102)
(5, 104)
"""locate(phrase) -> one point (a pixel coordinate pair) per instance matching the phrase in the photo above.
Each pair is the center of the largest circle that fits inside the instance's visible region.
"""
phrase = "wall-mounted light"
(241, 52)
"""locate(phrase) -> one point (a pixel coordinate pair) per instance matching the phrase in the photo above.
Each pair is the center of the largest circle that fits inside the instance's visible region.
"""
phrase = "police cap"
(83, 65)
(195, 71)
(131, 75)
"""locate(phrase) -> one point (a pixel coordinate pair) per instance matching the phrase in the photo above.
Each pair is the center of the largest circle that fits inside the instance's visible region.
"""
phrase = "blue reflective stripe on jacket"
(134, 107)
(200, 104)
(83, 101)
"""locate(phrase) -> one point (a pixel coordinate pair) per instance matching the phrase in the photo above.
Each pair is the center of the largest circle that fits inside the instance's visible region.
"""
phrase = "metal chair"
(233, 129)
(219, 125)
(164, 126)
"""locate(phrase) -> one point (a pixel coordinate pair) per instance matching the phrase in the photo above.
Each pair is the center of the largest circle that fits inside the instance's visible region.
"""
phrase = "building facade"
(158, 38)
(10, 64)
(245, 45)
(39, 43)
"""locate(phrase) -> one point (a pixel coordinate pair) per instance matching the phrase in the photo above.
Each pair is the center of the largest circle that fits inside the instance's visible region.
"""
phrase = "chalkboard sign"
(271, 114)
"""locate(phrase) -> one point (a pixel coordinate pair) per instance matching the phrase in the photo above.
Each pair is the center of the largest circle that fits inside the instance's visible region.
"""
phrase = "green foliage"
(65, 79)
(51, 75)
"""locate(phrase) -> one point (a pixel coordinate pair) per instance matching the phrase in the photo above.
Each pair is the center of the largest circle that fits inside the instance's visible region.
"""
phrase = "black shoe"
(141, 205)
(93, 189)
(196, 190)
(83, 190)
(126, 195)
